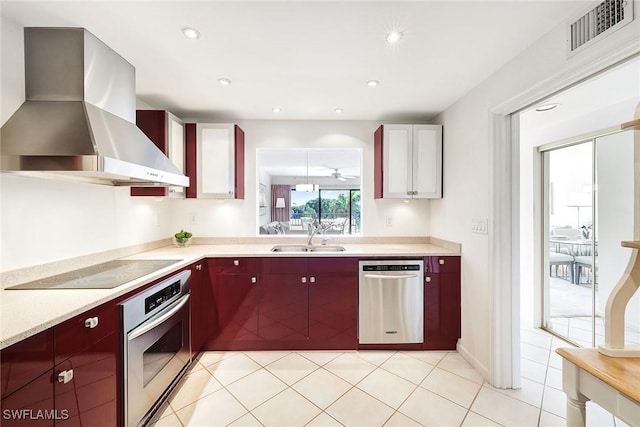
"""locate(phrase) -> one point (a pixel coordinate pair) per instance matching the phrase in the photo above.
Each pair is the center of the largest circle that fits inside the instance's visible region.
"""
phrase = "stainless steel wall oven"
(156, 344)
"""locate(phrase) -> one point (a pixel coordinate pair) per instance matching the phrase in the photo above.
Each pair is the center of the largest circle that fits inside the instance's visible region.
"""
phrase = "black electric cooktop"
(107, 275)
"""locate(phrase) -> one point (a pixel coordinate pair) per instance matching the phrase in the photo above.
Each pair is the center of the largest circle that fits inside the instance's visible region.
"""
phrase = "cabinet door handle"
(65, 376)
(198, 267)
(91, 322)
(236, 262)
(254, 280)
(303, 280)
(427, 279)
(312, 279)
(441, 261)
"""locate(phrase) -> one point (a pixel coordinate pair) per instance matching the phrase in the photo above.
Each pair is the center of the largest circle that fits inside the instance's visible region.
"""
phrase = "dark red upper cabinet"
(167, 133)
(215, 161)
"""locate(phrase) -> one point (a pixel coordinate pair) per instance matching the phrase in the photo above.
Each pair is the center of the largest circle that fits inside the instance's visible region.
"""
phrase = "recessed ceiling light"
(191, 33)
(547, 107)
(338, 110)
(224, 81)
(373, 83)
(394, 37)
(276, 109)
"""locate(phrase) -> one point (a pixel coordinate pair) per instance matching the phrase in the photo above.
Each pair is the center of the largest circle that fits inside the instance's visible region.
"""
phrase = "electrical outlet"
(157, 220)
(389, 221)
(192, 218)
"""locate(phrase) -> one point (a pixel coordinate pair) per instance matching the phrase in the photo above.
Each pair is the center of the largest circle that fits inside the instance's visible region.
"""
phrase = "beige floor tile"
(554, 378)
(256, 388)
(474, 420)
(286, 409)
(555, 360)
(387, 387)
(350, 368)
(532, 370)
(430, 357)
(504, 409)
(375, 357)
(263, 358)
(454, 363)
(357, 408)
(407, 367)
(320, 358)
(530, 392)
(534, 353)
(292, 368)
(324, 420)
(597, 416)
(547, 419)
(322, 387)
(555, 401)
(231, 369)
(429, 409)
(217, 409)
(246, 420)
(539, 340)
(207, 358)
(193, 387)
(451, 386)
(399, 419)
(170, 420)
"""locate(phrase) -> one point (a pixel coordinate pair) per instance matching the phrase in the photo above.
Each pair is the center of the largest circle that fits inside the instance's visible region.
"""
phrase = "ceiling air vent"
(602, 20)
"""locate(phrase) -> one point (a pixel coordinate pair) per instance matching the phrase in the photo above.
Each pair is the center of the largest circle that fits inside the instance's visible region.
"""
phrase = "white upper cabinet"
(408, 162)
(220, 161)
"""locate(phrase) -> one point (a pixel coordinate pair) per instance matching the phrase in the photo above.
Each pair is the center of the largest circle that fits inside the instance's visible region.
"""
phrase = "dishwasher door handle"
(390, 276)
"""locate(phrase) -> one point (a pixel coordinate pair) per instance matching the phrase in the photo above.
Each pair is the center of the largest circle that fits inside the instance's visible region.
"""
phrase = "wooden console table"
(611, 382)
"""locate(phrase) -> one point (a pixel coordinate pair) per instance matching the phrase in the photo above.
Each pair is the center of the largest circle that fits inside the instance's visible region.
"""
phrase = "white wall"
(468, 152)
(231, 218)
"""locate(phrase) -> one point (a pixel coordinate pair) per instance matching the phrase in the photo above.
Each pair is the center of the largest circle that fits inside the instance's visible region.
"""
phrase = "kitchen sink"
(306, 248)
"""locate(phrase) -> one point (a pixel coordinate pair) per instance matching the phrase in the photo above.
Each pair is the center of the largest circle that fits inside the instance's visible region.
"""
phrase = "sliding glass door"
(588, 196)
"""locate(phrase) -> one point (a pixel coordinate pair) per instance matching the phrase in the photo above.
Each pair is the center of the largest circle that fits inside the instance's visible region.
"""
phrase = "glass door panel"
(615, 199)
(568, 297)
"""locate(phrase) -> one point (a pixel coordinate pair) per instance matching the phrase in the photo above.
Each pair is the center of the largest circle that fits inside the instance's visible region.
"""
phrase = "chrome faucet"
(313, 228)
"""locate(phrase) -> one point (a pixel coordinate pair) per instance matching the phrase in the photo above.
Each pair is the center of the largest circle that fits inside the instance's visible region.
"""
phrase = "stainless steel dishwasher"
(390, 302)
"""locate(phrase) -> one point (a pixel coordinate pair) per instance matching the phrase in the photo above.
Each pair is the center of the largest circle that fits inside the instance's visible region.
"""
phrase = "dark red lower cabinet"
(441, 311)
(88, 396)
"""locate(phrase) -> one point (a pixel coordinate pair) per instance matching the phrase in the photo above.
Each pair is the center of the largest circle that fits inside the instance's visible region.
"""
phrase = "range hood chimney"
(78, 120)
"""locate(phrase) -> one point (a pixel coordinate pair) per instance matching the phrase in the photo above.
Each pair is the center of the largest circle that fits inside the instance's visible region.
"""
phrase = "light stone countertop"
(26, 312)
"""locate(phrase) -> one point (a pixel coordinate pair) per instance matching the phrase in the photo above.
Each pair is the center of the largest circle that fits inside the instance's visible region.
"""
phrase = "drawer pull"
(441, 261)
(65, 376)
(303, 280)
(427, 279)
(236, 262)
(312, 279)
(254, 280)
(91, 322)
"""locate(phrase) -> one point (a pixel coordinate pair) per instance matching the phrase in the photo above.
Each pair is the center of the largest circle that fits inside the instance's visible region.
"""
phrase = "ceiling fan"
(337, 175)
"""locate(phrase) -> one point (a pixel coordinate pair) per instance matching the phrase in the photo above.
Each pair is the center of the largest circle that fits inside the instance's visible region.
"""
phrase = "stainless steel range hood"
(78, 120)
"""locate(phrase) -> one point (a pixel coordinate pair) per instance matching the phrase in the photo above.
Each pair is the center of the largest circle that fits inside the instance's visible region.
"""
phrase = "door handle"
(91, 322)
(146, 327)
(65, 376)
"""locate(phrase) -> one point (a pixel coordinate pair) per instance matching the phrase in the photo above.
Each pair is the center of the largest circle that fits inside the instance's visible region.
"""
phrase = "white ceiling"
(307, 57)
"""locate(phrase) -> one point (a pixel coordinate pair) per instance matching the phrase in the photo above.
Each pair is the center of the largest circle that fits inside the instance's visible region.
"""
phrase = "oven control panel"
(392, 267)
(163, 295)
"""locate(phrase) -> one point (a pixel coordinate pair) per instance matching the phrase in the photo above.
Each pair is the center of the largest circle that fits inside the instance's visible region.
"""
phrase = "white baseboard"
(475, 363)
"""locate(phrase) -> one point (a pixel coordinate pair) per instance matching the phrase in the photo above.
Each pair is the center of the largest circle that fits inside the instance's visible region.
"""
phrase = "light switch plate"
(479, 225)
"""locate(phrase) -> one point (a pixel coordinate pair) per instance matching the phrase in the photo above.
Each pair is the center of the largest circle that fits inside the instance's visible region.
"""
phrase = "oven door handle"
(146, 327)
